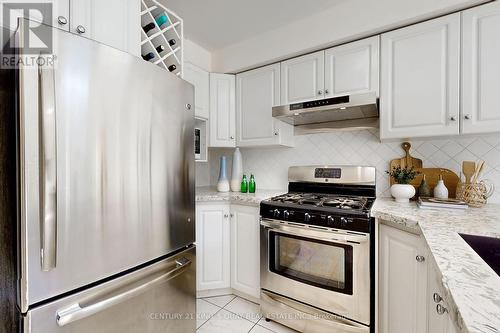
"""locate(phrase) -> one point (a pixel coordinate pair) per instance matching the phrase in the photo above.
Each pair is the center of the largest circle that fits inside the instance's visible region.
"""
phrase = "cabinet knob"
(441, 309)
(453, 118)
(276, 133)
(80, 29)
(420, 258)
(320, 92)
(62, 20)
(188, 106)
(232, 215)
(231, 137)
(327, 91)
(226, 216)
(468, 116)
(437, 298)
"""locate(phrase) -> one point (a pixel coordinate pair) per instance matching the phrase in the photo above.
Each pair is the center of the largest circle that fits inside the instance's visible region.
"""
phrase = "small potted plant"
(402, 191)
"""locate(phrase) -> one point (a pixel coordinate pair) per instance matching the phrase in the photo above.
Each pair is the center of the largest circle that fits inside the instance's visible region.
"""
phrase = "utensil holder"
(475, 194)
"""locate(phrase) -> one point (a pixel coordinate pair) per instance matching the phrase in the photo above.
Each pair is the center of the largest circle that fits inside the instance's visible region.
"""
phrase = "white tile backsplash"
(270, 166)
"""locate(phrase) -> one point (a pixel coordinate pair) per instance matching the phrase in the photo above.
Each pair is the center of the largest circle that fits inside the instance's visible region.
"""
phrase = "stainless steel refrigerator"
(104, 216)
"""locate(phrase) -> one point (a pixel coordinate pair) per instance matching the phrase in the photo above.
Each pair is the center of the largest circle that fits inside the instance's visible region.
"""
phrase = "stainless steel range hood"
(358, 111)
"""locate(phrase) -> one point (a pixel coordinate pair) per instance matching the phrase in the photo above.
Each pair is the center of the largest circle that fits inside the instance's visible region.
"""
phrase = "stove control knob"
(286, 214)
(276, 213)
(307, 217)
(343, 221)
(330, 220)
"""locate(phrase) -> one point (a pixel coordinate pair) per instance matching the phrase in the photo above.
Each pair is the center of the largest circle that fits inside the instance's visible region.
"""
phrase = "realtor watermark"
(33, 45)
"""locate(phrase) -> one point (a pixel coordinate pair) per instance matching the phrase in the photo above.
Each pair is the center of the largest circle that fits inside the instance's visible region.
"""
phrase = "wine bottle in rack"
(148, 27)
(161, 20)
(149, 56)
(172, 68)
(172, 42)
(160, 48)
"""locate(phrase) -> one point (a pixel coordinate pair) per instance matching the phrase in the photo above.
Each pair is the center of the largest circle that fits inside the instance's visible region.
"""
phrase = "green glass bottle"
(244, 184)
(251, 184)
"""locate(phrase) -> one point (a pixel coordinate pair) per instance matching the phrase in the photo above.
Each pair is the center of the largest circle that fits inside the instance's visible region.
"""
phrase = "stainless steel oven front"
(314, 271)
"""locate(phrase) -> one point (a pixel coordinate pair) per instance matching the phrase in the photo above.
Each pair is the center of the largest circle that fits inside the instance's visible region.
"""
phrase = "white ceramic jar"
(403, 192)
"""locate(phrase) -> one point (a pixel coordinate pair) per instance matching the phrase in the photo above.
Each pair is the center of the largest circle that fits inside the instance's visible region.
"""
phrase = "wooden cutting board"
(406, 161)
(450, 178)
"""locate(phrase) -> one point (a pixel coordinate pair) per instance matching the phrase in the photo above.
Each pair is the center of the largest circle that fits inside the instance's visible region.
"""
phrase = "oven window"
(319, 263)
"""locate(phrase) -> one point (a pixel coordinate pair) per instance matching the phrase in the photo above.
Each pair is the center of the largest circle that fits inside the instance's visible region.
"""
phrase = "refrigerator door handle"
(47, 167)
(88, 307)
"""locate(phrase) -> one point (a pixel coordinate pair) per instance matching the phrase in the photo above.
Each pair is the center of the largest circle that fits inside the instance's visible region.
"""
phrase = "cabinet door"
(257, 91)
(245, 253)
(112, 22)
(303, 78)
(402, 282)
(222, 110)
(58, 18)
(420, 80)
(481, 69)
(352, 68)
(438, 322)
(200, 80)
(213, 245)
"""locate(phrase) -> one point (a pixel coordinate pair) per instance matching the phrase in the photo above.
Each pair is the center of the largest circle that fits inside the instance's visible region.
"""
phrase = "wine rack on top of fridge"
(162, 36)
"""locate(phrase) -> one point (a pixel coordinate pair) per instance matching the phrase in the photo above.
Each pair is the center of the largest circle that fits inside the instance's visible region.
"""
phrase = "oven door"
(326, 269)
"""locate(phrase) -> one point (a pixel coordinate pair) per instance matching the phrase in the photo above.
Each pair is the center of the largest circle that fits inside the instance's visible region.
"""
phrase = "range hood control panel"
(321, 102)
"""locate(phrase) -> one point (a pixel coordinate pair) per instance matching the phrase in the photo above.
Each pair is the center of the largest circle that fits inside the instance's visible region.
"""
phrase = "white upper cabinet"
(222, 110)
(112, 22)
(213, 247)
(481, 69)
(402, 282)
(201, 81)
(302, 78)
(59, 17)
(352, 68)
(420, 86)
(245, 254)
(257, 91)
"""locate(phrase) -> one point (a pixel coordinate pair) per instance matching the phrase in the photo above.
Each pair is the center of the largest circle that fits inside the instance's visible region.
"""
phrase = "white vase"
(440, 191)
(223, 183)
(403, 192)
(237, 172)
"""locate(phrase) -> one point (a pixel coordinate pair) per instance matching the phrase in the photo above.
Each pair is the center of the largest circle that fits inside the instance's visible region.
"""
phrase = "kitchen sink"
(488, 248)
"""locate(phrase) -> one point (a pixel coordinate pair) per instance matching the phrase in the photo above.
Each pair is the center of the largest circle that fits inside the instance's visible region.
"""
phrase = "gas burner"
(345, 203)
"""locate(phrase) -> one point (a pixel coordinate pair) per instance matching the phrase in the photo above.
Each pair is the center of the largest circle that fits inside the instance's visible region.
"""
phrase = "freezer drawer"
(157, 299)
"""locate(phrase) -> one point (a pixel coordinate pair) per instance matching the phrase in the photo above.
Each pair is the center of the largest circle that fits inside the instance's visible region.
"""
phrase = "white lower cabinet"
(402, 282)
(245, 255)
(438, 314)
(213, 247)
(227, 240)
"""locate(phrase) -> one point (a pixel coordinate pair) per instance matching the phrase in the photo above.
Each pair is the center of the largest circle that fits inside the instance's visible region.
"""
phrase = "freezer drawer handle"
(48, 167)
(87, 308)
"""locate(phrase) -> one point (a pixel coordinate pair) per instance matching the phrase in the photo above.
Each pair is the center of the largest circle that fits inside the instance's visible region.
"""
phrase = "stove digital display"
(328, 173)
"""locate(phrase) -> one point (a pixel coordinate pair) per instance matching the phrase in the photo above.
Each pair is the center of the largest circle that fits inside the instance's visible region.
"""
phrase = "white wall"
(351, 19)
(197, 55)
(270, 166)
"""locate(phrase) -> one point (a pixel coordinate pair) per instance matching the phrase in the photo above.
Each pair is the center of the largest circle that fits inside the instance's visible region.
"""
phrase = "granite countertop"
(472, 288)
(210, 194)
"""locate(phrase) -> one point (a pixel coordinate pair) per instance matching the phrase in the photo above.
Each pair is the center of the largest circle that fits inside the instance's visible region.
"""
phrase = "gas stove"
(326, 196)
(317, 249)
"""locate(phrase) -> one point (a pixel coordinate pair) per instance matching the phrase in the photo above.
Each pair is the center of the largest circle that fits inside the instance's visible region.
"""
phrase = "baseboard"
(224, 292)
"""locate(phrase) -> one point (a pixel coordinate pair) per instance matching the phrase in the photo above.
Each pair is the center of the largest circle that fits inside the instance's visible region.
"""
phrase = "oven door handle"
(348, 239)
